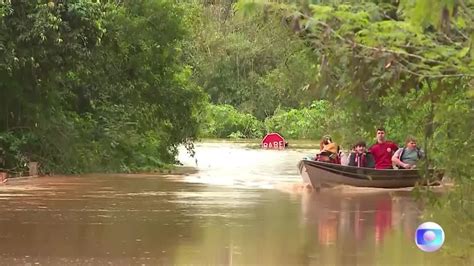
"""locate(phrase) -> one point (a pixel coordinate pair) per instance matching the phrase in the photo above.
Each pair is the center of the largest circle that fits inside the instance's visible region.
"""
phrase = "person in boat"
(383, 151)
(329, 151)
(406, 157)
(360, 157)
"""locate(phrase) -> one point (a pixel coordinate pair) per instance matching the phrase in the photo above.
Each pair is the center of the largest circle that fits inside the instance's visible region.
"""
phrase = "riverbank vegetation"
(92, 86)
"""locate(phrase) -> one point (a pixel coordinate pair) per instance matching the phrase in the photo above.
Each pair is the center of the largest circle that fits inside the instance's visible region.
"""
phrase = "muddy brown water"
(243, 206)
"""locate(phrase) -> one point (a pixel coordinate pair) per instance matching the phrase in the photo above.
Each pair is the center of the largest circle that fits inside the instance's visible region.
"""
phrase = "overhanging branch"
(386, 50)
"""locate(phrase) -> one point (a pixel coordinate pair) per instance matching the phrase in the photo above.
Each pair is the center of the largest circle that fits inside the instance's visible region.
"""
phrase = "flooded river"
(243, 206)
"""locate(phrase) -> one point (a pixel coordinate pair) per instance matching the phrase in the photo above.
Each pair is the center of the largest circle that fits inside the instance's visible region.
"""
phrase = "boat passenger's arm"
(397, 161)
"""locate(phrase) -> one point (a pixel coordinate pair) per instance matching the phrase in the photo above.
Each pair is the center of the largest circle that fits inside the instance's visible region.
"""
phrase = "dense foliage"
(91, 86)
(224, 121)
(312, 122)
(98, 80)
(253, 63)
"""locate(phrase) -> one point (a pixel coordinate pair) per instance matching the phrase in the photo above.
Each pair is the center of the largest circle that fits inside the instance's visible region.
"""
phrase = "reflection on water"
(224, 214)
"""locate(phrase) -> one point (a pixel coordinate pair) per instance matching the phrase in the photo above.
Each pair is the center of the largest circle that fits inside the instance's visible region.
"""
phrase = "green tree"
(92, 86)
(252, 63)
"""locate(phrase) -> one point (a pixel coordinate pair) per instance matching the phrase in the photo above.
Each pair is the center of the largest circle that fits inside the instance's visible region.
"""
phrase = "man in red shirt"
(383, 151)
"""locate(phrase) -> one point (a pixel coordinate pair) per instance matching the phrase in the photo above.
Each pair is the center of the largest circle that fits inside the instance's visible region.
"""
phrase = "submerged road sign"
(273, 141)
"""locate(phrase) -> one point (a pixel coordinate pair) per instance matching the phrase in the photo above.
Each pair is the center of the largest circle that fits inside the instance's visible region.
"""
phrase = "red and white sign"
(273, 141)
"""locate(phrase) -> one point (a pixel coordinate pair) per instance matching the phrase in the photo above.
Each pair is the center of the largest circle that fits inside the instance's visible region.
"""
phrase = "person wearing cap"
(360, 157)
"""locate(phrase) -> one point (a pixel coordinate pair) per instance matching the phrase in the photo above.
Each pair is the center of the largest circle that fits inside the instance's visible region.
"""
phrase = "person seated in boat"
(329, 151)
(383, 151)
(406, 157)
(360, 157)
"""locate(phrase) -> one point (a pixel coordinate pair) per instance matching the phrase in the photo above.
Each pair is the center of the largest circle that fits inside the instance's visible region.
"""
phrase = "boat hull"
(321, 174)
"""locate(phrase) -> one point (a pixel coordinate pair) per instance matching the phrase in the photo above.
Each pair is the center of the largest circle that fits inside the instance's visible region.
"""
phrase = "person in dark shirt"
(360, 157)
(383, 151)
